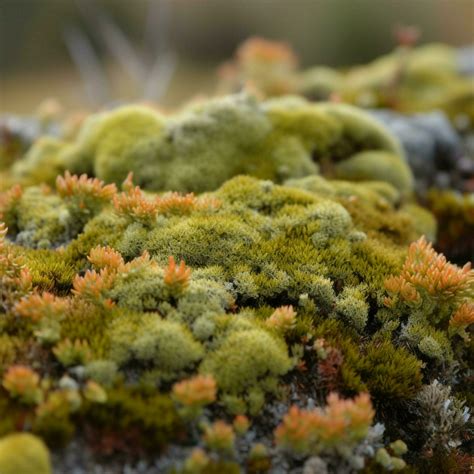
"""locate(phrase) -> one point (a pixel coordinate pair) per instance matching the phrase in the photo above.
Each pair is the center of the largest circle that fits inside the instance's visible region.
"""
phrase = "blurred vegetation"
(35, 61)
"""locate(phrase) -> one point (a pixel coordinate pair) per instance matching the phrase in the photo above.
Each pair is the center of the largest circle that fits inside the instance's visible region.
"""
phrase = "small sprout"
(461, 320)
(179, 204)
(94, 392)
(197, 461)
(105, 257)
(282, 319)
(134, 205)
(127, 184)
(195, 393)
(258, 451)
(92, 285)
(430, 272)
(37, 307)
(23, 383)
(177, 278)
(241, 424)
(8, 201)
(72, 353)
(341, 422)
(219, 437)
(15, 278)
(88, 191)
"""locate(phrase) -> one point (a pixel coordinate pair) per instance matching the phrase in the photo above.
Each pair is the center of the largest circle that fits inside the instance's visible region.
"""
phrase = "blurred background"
(88, 53)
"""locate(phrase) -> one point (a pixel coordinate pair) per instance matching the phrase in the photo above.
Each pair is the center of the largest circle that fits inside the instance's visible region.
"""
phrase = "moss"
(151, 419)
(244, 359)
(377, 165)
(23, 453)
(389, 372)
(169, 346)
(206, 144)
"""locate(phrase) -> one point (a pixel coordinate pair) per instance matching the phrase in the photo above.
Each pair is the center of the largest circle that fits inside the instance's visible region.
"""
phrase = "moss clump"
(23, 453)
(247, 360)
(208, 143)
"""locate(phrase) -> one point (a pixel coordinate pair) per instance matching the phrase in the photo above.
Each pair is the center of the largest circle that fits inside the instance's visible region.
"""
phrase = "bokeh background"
(88, 53)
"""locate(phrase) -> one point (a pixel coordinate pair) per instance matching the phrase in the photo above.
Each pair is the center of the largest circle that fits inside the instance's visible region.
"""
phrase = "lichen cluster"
(288, 317)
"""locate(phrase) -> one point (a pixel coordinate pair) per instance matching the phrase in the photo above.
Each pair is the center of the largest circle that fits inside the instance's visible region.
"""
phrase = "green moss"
(245, 359)
(152, 418)
(377, 165)
(23, 453)
(146, 338)
(204, 145)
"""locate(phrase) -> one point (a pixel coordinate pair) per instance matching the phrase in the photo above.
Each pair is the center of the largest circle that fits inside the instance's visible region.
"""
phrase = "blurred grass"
(24, 91)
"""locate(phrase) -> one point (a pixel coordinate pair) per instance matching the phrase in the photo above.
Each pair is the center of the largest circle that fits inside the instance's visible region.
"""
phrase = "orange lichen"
(135, 205)
(262, 50)
(92, 285)
(241, 424)
(9, 198)
(181, 204)
(23, 383)
(197, 391)
(461, 320)
(283, 318)
(177, 277)
(430, 272)
(105, 257)
(82, 187)
(15, 278)
(341, 422)
(219, 437)
(36, 307)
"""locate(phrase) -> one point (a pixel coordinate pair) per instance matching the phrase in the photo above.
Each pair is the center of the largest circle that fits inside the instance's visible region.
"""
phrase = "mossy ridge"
(205, 145)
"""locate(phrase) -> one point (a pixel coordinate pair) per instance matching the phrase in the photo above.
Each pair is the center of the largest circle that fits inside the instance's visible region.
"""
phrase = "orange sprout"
(82, 187)
(426, 270)
(283, 318)
(340, 422)
(461, 320)
(177, 277)
(197, 391)
(219, 437)
(241, 424)
(9, 199)
(23, 383)
(105, 257)
(36, 307)
(175, 203)
(92, 285)
(135, 205)
(262, 50)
